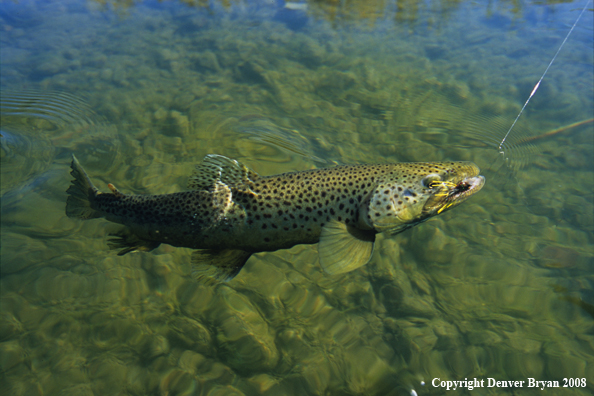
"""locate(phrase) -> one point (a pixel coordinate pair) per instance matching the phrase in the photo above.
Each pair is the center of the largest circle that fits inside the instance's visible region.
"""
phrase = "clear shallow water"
(500, 287)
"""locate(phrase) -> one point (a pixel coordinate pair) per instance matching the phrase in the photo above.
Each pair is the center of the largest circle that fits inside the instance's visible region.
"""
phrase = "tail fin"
(81, 194)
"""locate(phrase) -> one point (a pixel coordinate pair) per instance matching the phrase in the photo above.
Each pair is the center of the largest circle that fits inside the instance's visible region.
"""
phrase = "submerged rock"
(191, 333)
(243, 336)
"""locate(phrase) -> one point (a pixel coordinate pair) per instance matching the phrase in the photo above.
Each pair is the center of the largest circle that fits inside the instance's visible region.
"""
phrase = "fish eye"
(431, 180)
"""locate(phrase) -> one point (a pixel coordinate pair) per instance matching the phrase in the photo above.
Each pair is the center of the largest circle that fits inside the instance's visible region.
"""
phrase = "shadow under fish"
(231, 212)
(564, 295)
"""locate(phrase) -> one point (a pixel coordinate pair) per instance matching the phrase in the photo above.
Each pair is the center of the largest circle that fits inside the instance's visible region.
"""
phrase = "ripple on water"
(38, 125)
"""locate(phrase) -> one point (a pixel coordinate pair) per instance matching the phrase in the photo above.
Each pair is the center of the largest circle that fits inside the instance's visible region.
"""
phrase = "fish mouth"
(452, 194)
(465, 188)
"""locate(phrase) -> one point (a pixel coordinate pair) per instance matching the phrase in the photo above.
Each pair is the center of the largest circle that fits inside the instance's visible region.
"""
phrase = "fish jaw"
(415, 192)
(453, 192)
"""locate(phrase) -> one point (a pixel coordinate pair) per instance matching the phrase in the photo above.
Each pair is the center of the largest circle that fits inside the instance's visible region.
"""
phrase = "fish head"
(410, 193)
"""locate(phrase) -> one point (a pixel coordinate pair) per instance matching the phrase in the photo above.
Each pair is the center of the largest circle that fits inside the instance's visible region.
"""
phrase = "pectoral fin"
(221, 265)
(126, 240)
(343, 248)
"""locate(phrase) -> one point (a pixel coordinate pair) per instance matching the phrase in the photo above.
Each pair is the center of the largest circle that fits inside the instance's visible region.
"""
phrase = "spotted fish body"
(231, 212)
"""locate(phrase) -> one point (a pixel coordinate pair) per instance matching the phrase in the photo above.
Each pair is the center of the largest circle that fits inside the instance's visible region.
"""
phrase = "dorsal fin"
(215, 168)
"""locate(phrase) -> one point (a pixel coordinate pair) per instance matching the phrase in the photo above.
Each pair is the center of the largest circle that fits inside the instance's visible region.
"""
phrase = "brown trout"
(231, 212)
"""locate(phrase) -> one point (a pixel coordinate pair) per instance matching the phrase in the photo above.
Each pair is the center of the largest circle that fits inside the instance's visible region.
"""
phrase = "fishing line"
(539, 81)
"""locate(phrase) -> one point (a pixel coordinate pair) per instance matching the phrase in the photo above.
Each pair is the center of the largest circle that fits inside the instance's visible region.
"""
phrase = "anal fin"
(221, 265)
(126, 240)
(343, 248)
